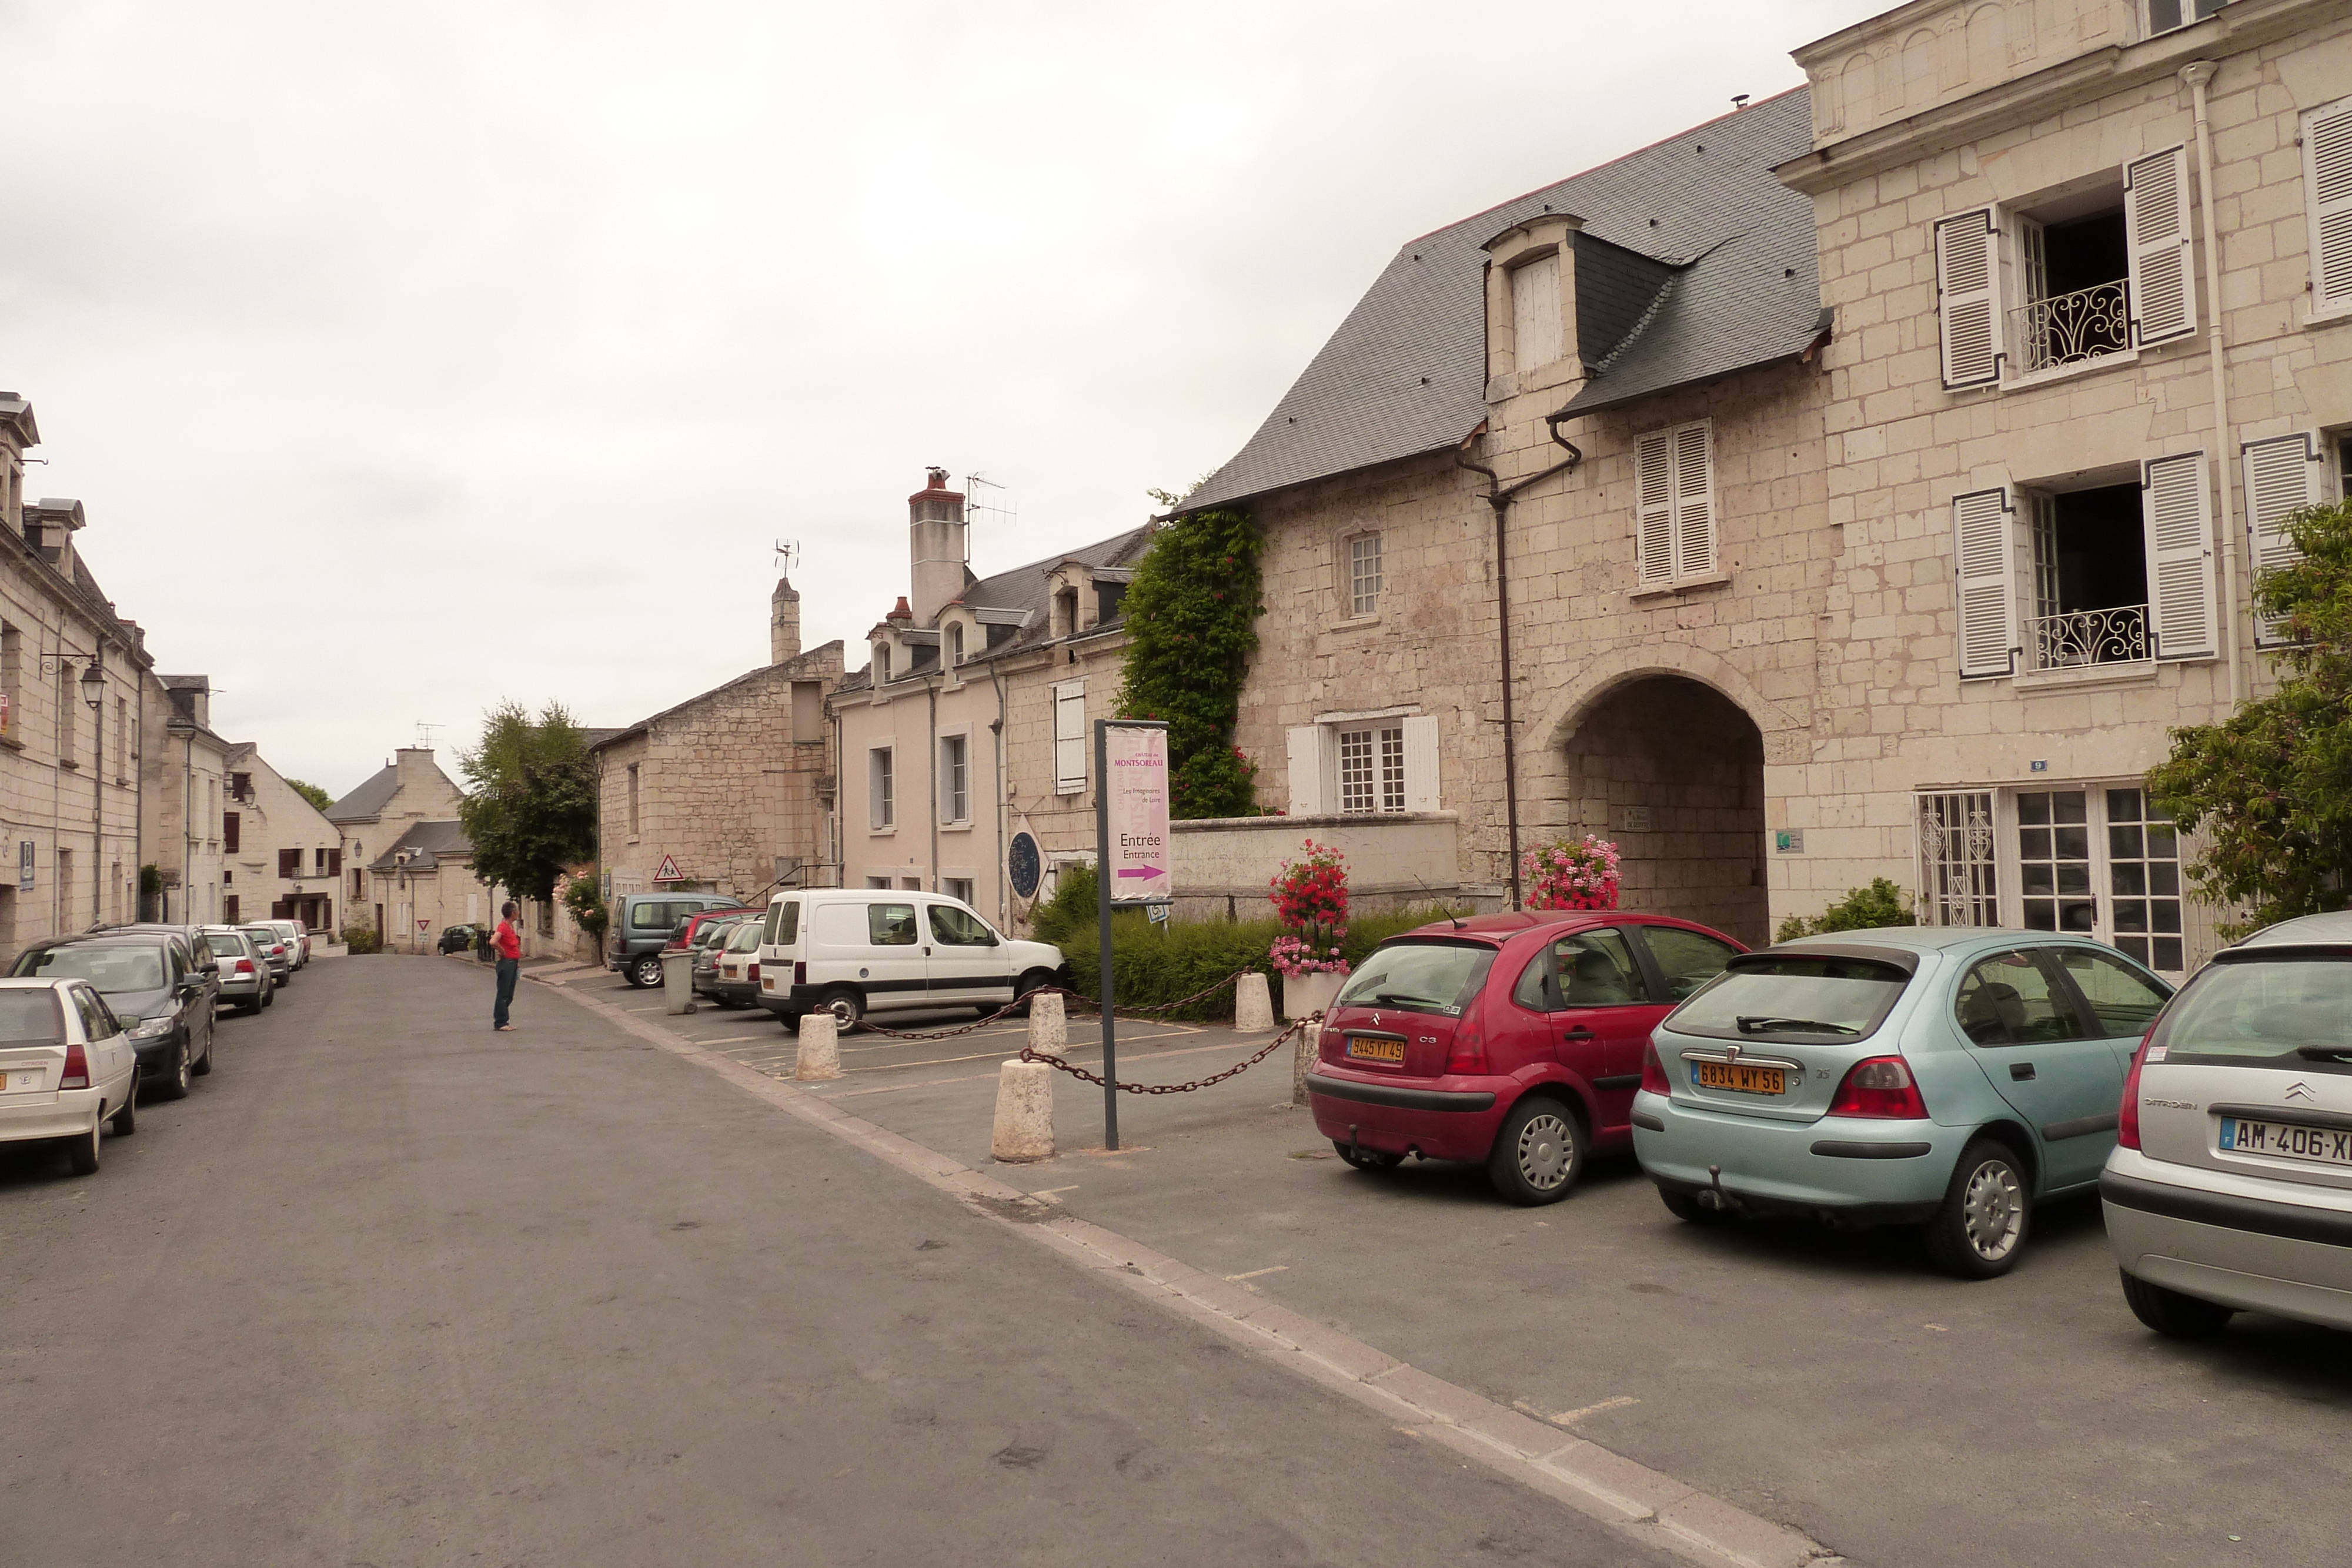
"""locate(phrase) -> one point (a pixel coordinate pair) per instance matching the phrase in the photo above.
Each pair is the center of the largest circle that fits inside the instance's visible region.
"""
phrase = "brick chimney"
(937, 548)
(783, 622)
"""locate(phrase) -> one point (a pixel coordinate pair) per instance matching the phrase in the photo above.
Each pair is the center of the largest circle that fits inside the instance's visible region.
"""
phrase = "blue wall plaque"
(1026, 863)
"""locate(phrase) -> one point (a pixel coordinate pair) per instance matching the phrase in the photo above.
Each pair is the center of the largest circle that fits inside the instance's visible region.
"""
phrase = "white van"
(859, 950)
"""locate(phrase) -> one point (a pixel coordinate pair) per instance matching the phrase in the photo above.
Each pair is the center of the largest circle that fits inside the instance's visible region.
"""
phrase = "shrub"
(1310, 899)
(1071, 909)
(1156, 967)
(1861, 909)
(362, 939)
(586, 906)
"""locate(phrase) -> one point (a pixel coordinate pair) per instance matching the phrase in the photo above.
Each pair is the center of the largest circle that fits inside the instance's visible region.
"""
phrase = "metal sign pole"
(1105, 868)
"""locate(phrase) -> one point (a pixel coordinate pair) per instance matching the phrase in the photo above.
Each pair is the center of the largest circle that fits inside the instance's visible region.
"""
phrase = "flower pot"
(1312, 993)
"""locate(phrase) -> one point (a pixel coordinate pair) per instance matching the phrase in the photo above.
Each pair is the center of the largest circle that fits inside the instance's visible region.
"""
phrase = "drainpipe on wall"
(1003, 807)
(833, 817)
(932, 696)
(1500, 496)
(2197, 73)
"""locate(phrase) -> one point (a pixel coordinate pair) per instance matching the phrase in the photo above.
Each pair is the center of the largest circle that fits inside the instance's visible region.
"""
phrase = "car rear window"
(225, 947)
(2249, 1012)
(1419, 976)
(1793, 997)
(784, 923)
(744, 936)
(30, 1017)
(108, 968)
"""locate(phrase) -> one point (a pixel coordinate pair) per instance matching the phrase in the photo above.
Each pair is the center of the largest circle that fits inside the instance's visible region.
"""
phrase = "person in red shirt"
(507, 945)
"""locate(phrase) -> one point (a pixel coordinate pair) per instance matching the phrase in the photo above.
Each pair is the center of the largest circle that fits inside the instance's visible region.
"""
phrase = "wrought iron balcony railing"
(2117, 636)
(2068, 328)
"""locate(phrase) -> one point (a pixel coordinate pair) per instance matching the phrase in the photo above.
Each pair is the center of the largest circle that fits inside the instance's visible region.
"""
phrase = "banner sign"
(1135, 780)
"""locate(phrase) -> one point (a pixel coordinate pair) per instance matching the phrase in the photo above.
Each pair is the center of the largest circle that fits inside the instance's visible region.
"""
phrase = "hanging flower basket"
(1574, 874)
(1310, 899)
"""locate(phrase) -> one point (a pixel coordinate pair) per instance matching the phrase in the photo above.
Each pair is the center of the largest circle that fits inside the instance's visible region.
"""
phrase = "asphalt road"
(1834, 1383)
(389, 1290)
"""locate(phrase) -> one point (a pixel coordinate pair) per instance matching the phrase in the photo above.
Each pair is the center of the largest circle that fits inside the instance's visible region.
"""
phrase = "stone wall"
(1223, 865)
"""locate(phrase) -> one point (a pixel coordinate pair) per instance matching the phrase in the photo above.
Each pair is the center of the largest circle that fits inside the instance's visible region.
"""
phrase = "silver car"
(273, 946)
(245, 979)
(297, 941)
(2230, 1185)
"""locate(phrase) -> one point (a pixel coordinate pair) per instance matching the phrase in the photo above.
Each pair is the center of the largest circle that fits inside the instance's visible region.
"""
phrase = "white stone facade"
(282, 856)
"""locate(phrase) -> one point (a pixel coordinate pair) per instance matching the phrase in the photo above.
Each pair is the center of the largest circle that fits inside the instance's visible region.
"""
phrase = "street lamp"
(93, 685)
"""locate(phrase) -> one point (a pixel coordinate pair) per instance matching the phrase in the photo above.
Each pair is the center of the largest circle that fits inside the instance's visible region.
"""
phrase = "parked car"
(272, 943)
(245, 977)
(460, 939)
(297, 940)
(1951, 1078)
(67, 1069)
(736, 980)
(712, 934)
(642, 924)
(855, 950)
(164, 996)
(1511, 1040)
(2230, 1185)
(693, 931)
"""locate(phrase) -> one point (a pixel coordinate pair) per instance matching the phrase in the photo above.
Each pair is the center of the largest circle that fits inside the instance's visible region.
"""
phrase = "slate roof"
(369, 800)
(599, 738)
(1705, 264)
(1014, 602)
(428, 842)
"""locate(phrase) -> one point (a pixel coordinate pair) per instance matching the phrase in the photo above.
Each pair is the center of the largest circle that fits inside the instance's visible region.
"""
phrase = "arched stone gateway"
(1663, 761)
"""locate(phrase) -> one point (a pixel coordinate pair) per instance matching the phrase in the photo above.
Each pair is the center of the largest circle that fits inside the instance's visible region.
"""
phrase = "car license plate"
(20, 1082)
(1360, 1049)
(2286, 1141)
(1739, 1078)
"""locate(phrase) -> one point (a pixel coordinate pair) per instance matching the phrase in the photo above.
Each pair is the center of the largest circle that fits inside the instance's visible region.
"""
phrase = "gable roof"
(370, 798)
(599, 738)
(426, 843)
(1718, 256)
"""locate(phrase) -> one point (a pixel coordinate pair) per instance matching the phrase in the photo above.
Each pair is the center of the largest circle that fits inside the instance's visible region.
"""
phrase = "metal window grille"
(1355, 770)
(1956, 885)
(1364, 574)
(1392, 770)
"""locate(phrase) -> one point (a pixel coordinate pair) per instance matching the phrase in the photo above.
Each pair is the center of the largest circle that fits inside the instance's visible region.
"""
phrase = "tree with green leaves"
(2269, 787)
(311, 792)
(531, 809)
(1191, 618)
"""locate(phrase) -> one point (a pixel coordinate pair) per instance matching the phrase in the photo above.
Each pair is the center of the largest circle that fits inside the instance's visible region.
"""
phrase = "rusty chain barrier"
(1088, 1003)
(1299, 1025)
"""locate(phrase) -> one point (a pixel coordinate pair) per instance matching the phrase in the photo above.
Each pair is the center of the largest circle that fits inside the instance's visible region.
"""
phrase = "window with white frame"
(2164, 16)
(955, 643)
(881, 788)
(1070, 738)
(1674, 478)
(1364, 575)
(881, 664)
(2327, 197)
(1364, 765)
(955, 778)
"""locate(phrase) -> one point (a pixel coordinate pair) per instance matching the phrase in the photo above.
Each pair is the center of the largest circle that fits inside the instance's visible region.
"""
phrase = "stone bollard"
(820, 1053)
(1049, 1025)
(1253, 1005)
(1302, 1059)
(1024, 1113)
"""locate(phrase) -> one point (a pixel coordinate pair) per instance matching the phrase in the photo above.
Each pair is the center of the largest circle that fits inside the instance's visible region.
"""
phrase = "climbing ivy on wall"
(1192, 616)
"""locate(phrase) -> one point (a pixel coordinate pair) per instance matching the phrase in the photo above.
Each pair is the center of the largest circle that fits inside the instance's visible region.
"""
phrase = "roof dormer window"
(881, 664)
(1535, 312)
(954, 644)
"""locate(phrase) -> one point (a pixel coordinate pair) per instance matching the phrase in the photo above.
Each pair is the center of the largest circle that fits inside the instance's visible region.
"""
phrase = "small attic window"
(881, 663)
(1107, 597)
(1066, 611)
(955, 643)
(1535, 312)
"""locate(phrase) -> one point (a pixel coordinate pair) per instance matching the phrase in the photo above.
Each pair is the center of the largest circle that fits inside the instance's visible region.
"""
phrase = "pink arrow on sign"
(1139, 871)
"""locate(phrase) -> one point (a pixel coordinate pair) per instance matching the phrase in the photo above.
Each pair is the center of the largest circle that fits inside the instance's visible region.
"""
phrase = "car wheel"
(81, 1152)
(173, 1085)
(1034, 981)
(1365, 1159)
(848, 1008)
(125, 1120)
(2172, 1315)
(268, 999)
(1539, 1154)
(1980, 1228)
(203, 1067)
(1687, 1208)
(645, 973)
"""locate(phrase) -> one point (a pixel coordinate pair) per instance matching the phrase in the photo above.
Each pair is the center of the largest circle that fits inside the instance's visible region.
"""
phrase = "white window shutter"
(1535, 313)
(2327, 175)
(1981, 529)
(2178, 521)
(1305, 742)
(1694, 502)
(2282, 476)
(1653, 480)
(2161, 284)
(1421, 763)
(1070, 738)
(1967, 305)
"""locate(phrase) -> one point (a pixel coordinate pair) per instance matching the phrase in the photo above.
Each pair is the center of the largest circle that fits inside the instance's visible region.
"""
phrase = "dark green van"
(641, 927)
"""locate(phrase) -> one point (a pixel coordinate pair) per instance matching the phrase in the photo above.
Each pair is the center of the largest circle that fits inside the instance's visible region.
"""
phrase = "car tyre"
(203, 1064)
(645, 972)
(1980, 1228)
(2173, 1314)
(268, 999)
(848, 1008)
(1035, 980)
(81, 1150)
(174, 1085)
(1686, 1207)
(125, 1120)
(1539, 1154)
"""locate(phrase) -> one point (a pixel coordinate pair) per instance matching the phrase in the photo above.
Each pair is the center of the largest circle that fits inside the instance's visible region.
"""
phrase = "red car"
(1511, 1039)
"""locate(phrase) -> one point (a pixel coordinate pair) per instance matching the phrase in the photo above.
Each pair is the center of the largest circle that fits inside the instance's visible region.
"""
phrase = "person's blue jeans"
(508, 970)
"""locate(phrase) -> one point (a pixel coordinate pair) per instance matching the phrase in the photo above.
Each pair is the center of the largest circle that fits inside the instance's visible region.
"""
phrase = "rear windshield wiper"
(2323, 1052)
(1791, 1026)
(1399, 1000)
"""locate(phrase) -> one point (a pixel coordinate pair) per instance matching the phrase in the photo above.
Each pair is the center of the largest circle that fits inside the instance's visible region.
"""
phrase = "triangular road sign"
(669, 871)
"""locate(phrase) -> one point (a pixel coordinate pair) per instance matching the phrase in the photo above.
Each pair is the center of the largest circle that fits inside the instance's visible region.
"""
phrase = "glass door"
(2101, 862)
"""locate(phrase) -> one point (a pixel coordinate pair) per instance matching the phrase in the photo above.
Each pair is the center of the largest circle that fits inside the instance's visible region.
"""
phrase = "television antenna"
(425, 734)
(788, 556)
(1007, 511)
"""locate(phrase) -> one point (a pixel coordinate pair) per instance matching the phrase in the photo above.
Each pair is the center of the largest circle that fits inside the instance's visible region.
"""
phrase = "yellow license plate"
(1362, 1049)
(1738, 1078)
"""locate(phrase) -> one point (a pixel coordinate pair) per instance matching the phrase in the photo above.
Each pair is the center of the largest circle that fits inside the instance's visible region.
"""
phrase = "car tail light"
(244, 967)
(800, 972)
(753, 973)
(1654, 1072)
(1467, 1054)
(1880, 1086)
(2127, 1113)
(77, 1073)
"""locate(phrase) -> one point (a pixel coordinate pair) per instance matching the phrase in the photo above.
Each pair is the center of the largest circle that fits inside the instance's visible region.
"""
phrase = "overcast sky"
(408, 359)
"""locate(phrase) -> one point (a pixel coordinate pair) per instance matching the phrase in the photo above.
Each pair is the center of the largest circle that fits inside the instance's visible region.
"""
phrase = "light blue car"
(1939, 1076)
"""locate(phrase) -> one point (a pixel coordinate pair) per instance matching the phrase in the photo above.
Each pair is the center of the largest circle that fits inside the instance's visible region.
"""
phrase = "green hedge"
(1158, 965)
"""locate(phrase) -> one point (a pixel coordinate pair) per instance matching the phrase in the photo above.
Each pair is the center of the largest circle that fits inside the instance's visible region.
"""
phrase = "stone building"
(726, 791)
(283, 860)
(184, 769)
(425, 882)
(409, 789)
